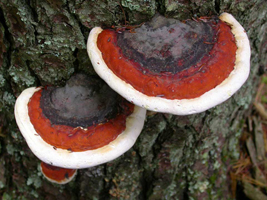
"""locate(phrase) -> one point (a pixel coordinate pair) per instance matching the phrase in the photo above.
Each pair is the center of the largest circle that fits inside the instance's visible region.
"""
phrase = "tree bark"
(43, 42)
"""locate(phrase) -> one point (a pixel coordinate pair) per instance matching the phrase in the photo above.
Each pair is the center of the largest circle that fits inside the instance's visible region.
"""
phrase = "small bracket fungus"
(171, 66)
(81, 125)
(57, 174)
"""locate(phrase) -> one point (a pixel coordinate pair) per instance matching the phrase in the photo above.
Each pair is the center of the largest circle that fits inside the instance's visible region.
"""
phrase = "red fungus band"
(57, 174)
(80, 138)
(171, 59)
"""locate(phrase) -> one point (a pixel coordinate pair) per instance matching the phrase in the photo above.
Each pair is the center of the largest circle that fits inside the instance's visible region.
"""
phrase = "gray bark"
(176, 157)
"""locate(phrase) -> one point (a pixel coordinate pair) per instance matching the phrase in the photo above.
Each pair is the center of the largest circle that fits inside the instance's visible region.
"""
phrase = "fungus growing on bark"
(80, 125)
(57, 174)
(171, 66)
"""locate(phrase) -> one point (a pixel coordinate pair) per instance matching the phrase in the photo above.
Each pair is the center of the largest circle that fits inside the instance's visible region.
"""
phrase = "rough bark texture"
(43, 42)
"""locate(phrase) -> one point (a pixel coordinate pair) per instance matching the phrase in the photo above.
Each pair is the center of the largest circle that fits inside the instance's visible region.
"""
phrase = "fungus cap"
(70, 146)
(57, 174)
(191, 96)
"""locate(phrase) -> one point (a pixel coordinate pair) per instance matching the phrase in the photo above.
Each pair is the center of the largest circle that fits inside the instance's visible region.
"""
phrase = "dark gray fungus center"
(84, 101)
(160, 45)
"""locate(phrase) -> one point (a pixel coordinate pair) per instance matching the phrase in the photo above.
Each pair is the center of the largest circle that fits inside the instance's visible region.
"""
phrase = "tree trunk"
(176, 157)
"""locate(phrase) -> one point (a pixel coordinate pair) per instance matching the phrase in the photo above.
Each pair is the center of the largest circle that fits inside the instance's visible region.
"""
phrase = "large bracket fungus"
(171, 66)
(80, 125)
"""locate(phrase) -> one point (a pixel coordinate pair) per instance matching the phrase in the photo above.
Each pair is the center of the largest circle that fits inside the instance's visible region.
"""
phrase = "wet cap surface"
(168, 45)
(82, 102)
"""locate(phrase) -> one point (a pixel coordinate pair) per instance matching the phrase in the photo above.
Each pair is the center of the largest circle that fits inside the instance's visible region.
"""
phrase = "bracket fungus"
(57, 174)
(171, 66)
(81, 125)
